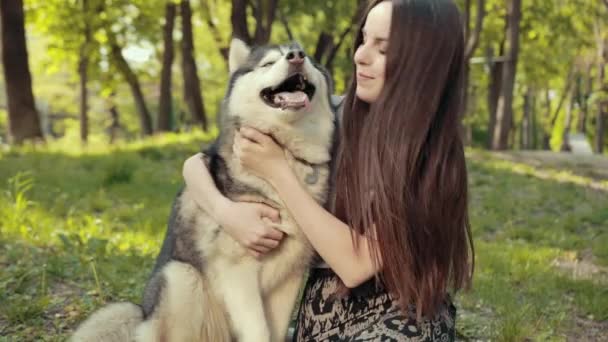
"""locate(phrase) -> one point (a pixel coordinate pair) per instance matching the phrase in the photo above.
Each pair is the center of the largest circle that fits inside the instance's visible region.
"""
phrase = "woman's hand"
(250, 224)
(259, 153)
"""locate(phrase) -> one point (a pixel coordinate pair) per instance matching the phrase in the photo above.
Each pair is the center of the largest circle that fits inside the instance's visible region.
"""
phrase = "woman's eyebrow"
(377, 39)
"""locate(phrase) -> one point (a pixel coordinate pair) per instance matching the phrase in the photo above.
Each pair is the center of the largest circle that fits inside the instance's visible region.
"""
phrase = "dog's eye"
(268, 64)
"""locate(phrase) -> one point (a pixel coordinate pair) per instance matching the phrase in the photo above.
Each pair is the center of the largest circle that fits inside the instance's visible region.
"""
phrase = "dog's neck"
(307, 144)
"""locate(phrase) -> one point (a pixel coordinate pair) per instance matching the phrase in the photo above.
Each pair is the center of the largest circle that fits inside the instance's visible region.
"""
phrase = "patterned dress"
(366, 314)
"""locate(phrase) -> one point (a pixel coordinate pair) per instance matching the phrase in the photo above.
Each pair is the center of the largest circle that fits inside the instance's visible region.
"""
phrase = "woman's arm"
(243, 221)
(330, 237)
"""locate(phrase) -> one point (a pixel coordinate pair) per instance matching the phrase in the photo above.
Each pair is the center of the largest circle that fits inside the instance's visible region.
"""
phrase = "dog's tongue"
(296, 99)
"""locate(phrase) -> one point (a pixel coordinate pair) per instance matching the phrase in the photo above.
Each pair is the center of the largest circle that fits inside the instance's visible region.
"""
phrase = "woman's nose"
(362, 55)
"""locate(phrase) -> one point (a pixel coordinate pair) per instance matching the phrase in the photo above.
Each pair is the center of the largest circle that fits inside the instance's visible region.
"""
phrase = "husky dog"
(205, 286)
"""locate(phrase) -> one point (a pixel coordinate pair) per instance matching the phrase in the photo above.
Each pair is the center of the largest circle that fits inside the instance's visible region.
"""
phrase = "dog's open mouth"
(295, 92)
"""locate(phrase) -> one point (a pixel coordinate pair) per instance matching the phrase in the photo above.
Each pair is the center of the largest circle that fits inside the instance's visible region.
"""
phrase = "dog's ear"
(239, 51)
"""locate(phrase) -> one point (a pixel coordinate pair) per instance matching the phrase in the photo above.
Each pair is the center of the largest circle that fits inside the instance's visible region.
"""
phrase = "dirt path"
(592, 166)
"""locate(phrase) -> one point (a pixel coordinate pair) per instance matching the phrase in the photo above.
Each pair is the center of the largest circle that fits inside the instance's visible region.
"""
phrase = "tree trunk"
(526, 122)
(493, 93)
(586, 93)
(324, 44)
(602, 103)
(553, 116)
(546, 143)
(599, 137)
(114, 118)
(164, 106)
(504, 109)
(472, 42)
(83, 66)
(215, 31)
(265, 14)
(533, 122)
(192, 87)
(238, 18)
(285, 23)
(565, 147)
(24, 122)
(131, 79)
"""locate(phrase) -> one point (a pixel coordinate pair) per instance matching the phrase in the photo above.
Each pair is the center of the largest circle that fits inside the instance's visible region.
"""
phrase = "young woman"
(397, 234)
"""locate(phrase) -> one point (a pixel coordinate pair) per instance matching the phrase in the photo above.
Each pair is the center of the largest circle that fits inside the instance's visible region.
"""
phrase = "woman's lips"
(363, 77)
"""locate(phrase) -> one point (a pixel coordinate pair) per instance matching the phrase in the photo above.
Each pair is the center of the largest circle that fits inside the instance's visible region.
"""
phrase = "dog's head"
(276, 84)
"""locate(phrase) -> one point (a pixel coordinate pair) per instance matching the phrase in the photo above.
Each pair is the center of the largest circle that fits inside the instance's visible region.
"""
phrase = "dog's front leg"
(279, 305)
(243, 299)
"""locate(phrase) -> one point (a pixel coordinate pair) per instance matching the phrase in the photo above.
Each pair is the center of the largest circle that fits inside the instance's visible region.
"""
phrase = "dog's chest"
(313, 177)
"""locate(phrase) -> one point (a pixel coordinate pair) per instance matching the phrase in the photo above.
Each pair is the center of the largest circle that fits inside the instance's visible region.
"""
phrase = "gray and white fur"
(205, 286)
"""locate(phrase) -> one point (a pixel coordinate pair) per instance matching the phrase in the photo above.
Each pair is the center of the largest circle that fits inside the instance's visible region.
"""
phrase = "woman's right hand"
(251, 225)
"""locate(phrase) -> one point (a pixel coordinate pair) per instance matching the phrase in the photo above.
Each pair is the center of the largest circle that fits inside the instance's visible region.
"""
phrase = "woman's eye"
(267, 64)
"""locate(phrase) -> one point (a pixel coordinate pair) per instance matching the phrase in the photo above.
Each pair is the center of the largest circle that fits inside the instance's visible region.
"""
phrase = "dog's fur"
(205, 286)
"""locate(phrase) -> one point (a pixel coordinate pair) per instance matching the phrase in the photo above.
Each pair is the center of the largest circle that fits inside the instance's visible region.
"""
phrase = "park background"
(101, 101)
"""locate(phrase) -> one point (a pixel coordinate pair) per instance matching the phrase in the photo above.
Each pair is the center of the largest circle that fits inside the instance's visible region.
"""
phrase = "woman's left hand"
(259, 153)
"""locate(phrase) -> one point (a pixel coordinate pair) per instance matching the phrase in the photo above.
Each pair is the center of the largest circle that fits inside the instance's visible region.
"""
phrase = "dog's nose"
(296, 57)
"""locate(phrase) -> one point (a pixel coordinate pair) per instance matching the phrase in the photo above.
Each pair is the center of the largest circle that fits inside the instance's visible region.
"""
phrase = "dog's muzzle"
(295, 92)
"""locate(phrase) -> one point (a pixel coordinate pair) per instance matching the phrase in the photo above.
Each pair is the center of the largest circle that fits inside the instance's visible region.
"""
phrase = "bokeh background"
(101, 101)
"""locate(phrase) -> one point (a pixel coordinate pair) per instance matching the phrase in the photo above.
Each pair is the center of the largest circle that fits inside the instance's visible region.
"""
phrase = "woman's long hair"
(401, 164)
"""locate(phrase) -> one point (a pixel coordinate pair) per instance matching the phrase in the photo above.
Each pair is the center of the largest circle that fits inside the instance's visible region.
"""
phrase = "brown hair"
(401, 163)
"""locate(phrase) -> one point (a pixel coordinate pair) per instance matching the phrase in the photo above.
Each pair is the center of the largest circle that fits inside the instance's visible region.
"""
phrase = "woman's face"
(370, 57)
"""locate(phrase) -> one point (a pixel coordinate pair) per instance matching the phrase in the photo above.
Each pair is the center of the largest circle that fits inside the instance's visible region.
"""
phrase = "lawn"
(81, 228)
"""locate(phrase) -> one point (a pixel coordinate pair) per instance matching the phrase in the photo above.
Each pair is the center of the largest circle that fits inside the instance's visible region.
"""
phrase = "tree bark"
(215, 31)
(165, 103)
(83, 66)
(526, 122)
(238, 18)
(533, 122)
(493, 93)
(266, 13)
(555, 115)
(586, 93)
(285, 23)
(565, 147)
(548, 114)
(602, 103)
(472, 43)
(473, 37)
(114, 118)
(504, 110)
(24, 122)
(192, 87)
(329, 62)
(324, 43)
(133, 82)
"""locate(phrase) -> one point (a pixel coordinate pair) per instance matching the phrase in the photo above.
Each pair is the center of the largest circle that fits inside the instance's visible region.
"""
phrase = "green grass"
(81, 228)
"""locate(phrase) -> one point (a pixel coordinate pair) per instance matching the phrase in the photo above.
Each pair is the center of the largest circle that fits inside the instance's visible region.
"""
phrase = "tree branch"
(473, 39)
(238, 18)
(264, 14)
(355, 19)
(283, 19)
(215, 32)
(336, 48)
(564, 95)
